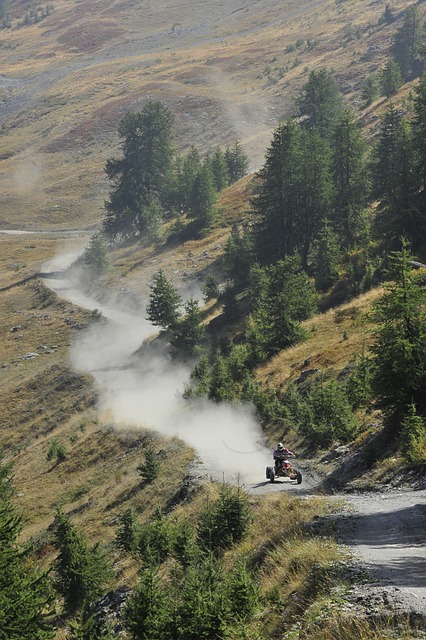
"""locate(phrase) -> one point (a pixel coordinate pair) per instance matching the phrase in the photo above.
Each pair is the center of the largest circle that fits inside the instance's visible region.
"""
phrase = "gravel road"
(387, 531)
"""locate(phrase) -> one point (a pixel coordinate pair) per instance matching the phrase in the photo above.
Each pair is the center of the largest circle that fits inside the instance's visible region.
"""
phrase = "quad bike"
(283, 469)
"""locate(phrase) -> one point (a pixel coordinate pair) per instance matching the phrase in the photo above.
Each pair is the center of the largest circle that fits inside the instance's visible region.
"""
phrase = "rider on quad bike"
(280, 454)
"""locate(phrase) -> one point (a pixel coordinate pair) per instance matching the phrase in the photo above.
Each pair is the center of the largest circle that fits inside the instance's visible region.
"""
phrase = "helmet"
(280, 445)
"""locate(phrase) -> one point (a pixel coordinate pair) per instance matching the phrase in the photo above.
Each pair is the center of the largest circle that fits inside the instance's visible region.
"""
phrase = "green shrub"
(224, 522)
(413, 437)
(149, 469)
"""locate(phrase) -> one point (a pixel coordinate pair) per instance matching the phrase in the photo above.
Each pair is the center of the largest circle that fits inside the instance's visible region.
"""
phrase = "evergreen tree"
(128, 531)
(242, 593)
(237, 161)
(359, 384)
(316, 192)
(185, 171)
(221, 384)
(370, 90)
(278, 194)
(350, 176)
(395, 181)
(320, 102)
(326, 257)
(288, 298)
(201, 611)
(332, 417)
(188, 332)
(399, 374)
(388, 16)
(25, 593)
(239, 255)
(211, 289)
(200, 378)
(191, 169)
(90, 625)
(149, 613)
(203, 198)
(164, 302)
(407, 42)
(141, 178)
(150, 469)
(219, 169)
(156, 540)
(390, 79)
(95, 256)
(419, 133)
(413, 437)
(225, 521)
(82, 571)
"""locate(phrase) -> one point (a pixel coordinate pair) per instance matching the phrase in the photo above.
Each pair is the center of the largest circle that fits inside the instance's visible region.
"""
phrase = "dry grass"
(334, 338)
(43, 400)
(236, 77)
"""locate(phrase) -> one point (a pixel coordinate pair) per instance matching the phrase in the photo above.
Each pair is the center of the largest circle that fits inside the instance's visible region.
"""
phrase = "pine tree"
(191, 169)
(242, 593)
(289, 297)
(370, 91)
(225, 521)
(407, 42)
(326, 257)
(149, 612)
(320, 102)
(203, 198)
(128, 531)
(239, 255)
(390, 79)
(419, 131)
(82, 571)
(316, 192)
(278, 194)
(141, 178)
(150, 469)
(95, 256)
(221, 387)
(188, 332)
(201, 611)
(359, 384)
(332, 417)
(25, 593)
(413, 437)
(395, 182)
(237, 161)
(210, 289)
(350, 177)
(91, 625)
(164, 302)
(399, 373)
(219, 169)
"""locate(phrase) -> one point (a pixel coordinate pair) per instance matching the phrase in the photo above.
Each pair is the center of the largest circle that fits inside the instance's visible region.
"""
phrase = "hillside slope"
(230, 72)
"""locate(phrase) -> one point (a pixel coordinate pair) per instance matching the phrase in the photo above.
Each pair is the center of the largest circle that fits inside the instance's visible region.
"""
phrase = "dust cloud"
(142, 387)
(28, 174)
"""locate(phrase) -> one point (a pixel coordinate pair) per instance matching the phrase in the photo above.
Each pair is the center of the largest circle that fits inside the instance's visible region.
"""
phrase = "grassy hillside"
(66, 82)
(69, 78)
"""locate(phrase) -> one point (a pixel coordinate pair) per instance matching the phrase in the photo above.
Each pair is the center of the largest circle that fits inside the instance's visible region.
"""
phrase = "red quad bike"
(284, 469)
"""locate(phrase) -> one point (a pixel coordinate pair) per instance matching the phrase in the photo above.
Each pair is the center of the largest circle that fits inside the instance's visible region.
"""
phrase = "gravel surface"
(387, 531)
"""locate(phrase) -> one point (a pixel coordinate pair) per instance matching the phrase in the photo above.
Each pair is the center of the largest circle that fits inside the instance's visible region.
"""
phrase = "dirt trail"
(385, 530)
